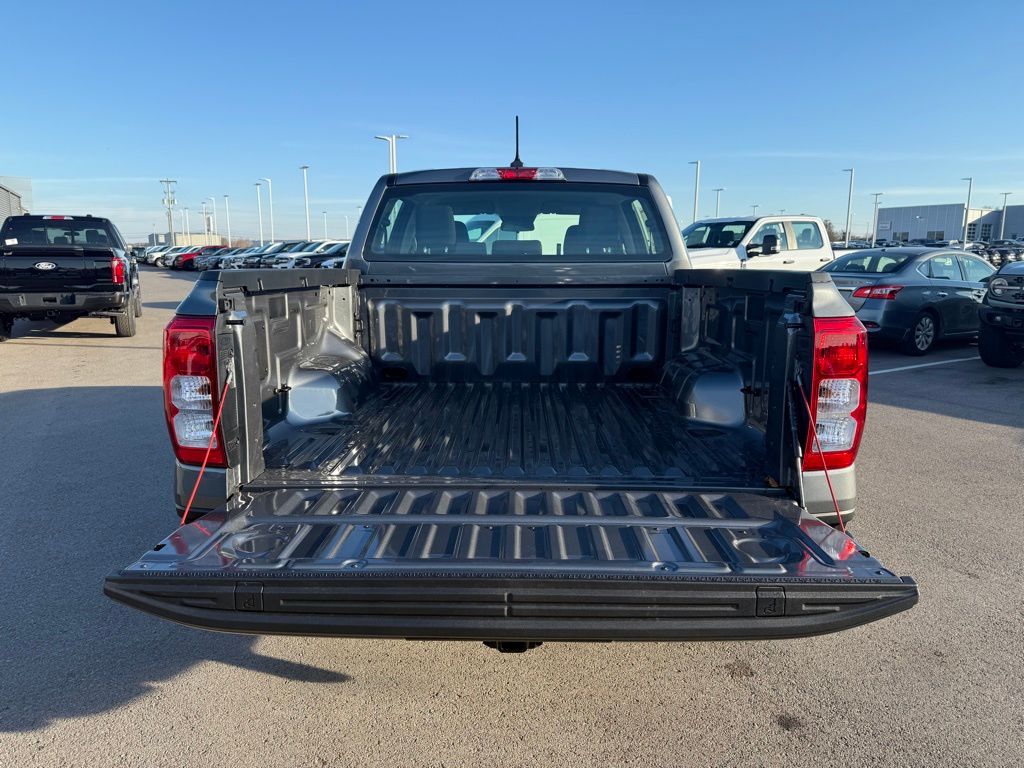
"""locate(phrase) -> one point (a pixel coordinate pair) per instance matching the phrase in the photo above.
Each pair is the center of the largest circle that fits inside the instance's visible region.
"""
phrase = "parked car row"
(917, 296)
(280, 254)
(999, 252)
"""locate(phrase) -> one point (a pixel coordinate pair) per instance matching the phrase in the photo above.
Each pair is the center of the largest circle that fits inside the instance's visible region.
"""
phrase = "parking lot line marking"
(922, 365)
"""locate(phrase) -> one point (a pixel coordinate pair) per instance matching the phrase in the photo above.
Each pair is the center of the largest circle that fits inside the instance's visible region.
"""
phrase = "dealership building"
(15, 196)
(946, 222)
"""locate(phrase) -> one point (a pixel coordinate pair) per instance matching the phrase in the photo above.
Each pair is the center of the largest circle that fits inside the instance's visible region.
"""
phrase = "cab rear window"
(36, 231)
(544, 221)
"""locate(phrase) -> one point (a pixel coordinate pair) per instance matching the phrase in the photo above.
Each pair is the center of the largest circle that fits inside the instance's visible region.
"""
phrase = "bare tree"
(834, 235)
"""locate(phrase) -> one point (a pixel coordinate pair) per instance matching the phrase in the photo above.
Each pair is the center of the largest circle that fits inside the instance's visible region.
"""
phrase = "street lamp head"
(303, 167)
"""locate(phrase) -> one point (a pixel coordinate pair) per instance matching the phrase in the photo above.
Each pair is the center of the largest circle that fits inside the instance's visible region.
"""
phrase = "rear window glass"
(59, 232)
(873, 262)
(518, 222)
(715, 234)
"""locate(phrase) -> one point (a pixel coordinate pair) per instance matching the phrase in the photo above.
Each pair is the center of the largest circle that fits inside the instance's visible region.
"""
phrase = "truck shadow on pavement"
(48, 329)
(86, 490)
(968, 390)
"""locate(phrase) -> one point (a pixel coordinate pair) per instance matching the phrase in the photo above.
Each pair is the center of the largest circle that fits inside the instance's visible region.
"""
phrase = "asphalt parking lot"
(85, 474)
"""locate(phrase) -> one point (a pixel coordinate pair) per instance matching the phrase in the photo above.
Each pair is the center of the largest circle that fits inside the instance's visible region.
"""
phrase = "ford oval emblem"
(45, 266)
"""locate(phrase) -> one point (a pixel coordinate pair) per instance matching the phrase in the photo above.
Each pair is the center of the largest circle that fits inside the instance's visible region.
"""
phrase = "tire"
(137, 302)
(995, 350)
(6, 328)
(922, 335)
(124, 324)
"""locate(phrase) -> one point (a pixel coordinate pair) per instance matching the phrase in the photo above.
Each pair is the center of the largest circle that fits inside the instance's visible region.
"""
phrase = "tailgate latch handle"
(771, 601)
(248, 596)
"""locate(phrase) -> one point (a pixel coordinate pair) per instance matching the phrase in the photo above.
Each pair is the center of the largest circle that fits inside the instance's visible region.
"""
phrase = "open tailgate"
(512, 564)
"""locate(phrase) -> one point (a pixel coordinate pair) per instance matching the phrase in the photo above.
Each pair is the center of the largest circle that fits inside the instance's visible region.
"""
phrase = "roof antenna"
(517, 163)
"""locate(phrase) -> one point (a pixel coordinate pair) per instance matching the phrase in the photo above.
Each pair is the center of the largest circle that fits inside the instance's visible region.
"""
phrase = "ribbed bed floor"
(582, 432)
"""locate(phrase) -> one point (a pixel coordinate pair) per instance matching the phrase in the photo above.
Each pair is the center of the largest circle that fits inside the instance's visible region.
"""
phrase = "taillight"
(877, 292)
(190, 389)
(838, 396)
(116, 270)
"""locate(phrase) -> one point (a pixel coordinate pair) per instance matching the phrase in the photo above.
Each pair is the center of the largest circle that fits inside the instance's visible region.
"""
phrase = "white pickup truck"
(759, 242)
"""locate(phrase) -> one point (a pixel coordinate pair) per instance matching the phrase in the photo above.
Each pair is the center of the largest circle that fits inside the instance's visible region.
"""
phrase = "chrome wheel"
(924, 333)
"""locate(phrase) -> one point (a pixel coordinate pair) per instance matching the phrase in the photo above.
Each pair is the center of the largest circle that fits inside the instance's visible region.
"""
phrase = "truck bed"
(523, 431)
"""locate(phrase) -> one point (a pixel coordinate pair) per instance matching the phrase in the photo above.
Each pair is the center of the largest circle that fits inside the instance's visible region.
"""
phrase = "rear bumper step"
(564, 607)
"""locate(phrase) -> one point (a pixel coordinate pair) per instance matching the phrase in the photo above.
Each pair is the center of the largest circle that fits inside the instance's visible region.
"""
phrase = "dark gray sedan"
(913, 296)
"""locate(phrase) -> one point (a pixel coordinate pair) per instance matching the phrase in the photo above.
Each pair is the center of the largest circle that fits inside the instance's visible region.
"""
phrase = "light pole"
(270, 196)
(967, 210)
(696, 186)
(169, 202)
(181, 215)
(325, 225)
(392, 141)
(781, 211)
(259, 209)
(213, 202)
(305, 192)
(347, 235)
(754, 208)
(1002, 216)
(188, 227)
(206, 222)
(849, 207)
(718, 200)
(227, 215)
(874, 221)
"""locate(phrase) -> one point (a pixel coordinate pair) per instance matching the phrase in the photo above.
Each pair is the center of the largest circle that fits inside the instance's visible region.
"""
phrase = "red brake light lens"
(116, 270)
(840, 346)
(517, 174)
(877, 292)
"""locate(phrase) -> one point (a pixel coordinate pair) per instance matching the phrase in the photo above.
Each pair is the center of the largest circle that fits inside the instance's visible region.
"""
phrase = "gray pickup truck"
(516, 416)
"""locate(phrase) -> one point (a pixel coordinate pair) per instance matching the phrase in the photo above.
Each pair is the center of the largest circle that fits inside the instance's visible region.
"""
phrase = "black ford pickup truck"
(63, 267)
(516, 416)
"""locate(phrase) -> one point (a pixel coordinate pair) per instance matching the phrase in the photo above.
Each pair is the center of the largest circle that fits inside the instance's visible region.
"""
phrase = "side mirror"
(770, 244)
(753, 250)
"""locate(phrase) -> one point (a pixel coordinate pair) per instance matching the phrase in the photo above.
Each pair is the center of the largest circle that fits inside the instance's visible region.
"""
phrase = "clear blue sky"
(775, 99)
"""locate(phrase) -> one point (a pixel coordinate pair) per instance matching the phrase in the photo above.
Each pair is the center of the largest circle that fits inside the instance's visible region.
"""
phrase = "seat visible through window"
(597, 232)
(435, 228)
